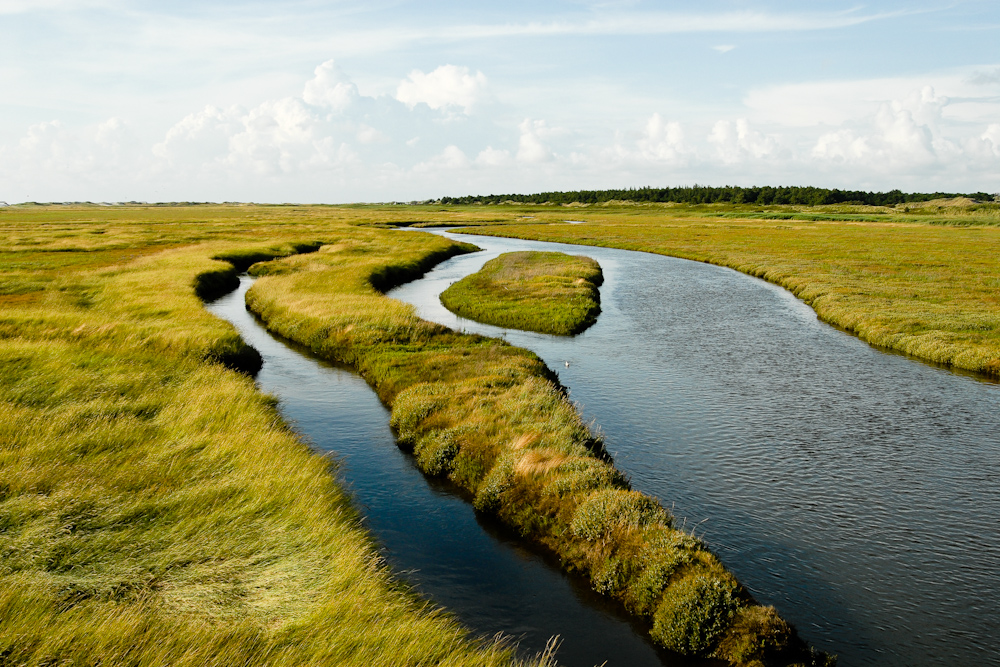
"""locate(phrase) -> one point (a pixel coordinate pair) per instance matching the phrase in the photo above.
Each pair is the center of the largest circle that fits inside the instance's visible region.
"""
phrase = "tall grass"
(926, 290)
(154, 508)
(491, 418)
(547, 292)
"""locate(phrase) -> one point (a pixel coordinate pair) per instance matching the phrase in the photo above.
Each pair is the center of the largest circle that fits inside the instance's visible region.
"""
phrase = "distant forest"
(701, 194)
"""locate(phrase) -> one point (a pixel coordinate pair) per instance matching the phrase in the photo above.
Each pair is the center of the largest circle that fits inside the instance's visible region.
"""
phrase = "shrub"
(756, 634)
(662, 557)
(694, 613)
(609, 510)
(499, 479)
(581, 474)
(436, 450)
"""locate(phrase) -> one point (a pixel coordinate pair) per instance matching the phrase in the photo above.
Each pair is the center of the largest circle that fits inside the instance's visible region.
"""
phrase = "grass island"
(546, 292)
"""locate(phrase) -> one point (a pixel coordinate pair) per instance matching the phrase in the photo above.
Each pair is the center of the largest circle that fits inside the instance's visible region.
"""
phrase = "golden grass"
(931, 291)
(547, 292)
(491, 419)
(154, 508)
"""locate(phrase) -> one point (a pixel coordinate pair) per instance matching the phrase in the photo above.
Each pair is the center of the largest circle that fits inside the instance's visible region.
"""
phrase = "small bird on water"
(567, 364)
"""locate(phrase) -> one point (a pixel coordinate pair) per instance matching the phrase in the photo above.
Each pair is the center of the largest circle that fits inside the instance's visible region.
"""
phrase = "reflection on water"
(430, 535)
(857, 491)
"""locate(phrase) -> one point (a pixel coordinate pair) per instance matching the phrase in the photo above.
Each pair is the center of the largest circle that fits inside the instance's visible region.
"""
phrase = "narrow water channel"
(429, 535)
(857, 491)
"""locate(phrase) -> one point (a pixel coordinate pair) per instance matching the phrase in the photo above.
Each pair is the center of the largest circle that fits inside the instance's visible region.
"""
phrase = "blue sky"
(308, 101)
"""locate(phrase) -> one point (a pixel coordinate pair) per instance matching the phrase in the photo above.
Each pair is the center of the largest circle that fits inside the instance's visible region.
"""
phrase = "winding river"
(428, 534)
(855, 490)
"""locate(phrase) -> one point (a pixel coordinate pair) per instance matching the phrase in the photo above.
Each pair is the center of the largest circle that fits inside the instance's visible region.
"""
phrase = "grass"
(547, 292)
(929, 290)
(491, 418)
(154, 508)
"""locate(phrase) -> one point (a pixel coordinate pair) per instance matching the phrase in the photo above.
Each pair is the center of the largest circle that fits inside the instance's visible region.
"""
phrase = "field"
(490, 418)
(547, 292)
(921, 279)
(155, 509)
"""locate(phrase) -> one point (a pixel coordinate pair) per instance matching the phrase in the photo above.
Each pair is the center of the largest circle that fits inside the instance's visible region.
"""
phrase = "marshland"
(551, 293)
(118, 441)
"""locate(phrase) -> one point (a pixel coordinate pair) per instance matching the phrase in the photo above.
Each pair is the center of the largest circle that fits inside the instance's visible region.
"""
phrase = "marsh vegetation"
(491, 419)
(547, 292)
(154, 507)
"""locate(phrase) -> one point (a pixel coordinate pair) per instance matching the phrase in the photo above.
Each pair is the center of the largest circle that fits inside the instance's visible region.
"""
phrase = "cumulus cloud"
(280, 136)
(330, 88)
(662, 140)
(992, 136)
(447, 86)
(531, 147)
(451, 158)
(105, 146)
(492, 157)
(905, 133)
(736, 141)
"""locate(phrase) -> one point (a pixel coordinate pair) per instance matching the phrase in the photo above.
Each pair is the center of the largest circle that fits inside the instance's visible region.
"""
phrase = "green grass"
(154, 508)
(928, 290)
(547, 292)
(491, 418)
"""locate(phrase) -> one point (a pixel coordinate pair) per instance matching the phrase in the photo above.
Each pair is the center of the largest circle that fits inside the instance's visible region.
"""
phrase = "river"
(429, 535)
(856, 490)
(853, 489)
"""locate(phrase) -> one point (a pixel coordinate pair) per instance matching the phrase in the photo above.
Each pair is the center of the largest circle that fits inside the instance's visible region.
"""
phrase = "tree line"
(729, 194)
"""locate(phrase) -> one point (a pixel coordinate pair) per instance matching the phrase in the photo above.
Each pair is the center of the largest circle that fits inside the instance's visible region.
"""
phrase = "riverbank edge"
(178, 518)
(533, 463)
(895, 341)
(570, 308)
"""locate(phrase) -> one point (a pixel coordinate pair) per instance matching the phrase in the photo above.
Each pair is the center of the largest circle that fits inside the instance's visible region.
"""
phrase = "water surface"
(430, 536)
(855, 490)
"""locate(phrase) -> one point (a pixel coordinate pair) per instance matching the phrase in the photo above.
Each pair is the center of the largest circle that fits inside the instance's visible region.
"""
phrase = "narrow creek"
(856, 490)
(431, 537)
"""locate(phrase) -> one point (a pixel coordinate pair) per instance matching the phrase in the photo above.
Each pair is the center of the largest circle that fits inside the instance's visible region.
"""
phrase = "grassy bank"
(154, 508)
(489, 417)
(929, 290)
(547, 292)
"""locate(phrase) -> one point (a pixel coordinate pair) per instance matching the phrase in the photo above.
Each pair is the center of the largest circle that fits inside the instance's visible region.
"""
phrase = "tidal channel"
(856, 490)
(430, 536)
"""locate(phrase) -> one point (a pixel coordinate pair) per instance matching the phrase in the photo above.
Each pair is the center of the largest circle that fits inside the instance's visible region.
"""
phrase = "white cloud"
(26, 6)
(369, 135)
(837, 102)
(492, 157)
(531, 148)
(200, 136)
(736, 142)
(662, 140)
(447, 86)
(330, 88)
(724, 48)
(992, 136)
(451, 158)
(665, 22)
(902, 134)
(987, 78)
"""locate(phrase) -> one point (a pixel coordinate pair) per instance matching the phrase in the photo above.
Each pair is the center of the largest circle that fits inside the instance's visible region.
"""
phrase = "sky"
(312, 101)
